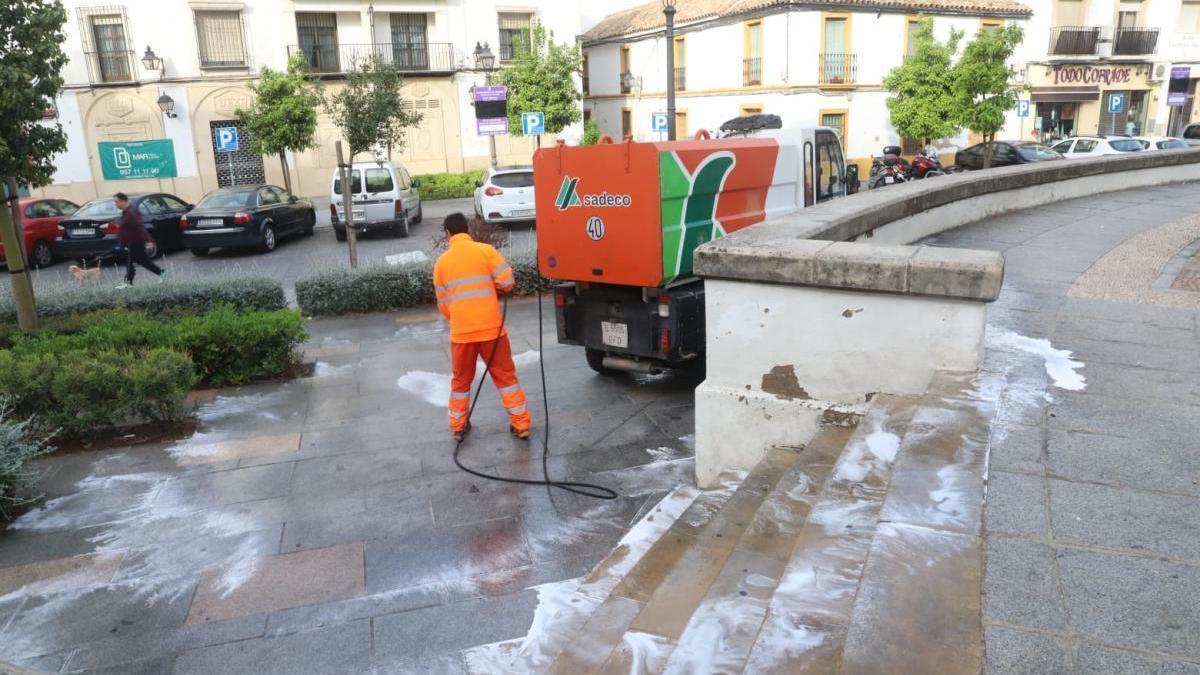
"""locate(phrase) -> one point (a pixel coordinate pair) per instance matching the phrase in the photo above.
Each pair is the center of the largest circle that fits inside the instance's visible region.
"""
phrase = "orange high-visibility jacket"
(467, 277)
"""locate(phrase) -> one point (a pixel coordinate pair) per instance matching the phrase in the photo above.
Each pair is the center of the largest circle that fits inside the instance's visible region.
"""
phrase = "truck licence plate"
(614, 334)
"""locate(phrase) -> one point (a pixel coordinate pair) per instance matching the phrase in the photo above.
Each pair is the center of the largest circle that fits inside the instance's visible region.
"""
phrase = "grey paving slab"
(1141, 462)
(1018, 448)
(344, 648)
(117, 651)
(1096, 515)
(1117, 416)
(1015, 504)
(399, 516)
(1093, 658)
(1133, 602)
(1149, 385)
(445, 629)
(336, 473)
(1012, 652)
(1020, 585)
(150, 666)
(449, 556)
(230, 487)
(1141, 356)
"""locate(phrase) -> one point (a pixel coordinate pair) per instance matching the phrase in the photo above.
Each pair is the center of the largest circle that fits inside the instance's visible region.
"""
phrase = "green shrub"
(226, 346)
(82, 392)
(18, 446)
(448, 185)
(591, 133)
(175, 298)
(386, 288)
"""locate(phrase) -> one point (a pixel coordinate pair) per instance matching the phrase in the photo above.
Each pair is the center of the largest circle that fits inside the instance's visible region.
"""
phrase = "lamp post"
(485, 60)
(669, 13)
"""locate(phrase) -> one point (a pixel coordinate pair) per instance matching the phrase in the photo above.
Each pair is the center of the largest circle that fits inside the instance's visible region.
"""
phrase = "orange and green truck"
(617, 224)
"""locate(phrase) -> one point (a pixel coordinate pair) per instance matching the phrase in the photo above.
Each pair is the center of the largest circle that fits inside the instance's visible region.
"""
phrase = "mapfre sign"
(1091, 74)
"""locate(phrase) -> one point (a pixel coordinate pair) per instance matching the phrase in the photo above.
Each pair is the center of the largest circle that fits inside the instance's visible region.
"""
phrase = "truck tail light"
(664, 339)
(560, 296)
(493, 191)
(241, 218)
(664, 306)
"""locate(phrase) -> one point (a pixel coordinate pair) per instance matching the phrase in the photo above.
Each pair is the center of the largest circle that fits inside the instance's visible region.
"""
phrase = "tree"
(591, 133)
(923, 106)
(370, 110)
(981, 80)
(31, 62)
(283, 116)
(542, 79)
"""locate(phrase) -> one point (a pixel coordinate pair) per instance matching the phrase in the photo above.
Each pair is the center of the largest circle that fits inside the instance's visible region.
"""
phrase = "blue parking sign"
(533, 123)
(1022, 107)
(1116, 103)
(658, 122)
(227, 139)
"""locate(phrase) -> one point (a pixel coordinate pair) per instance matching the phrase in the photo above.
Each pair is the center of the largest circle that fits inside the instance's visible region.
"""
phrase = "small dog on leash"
(84, 275)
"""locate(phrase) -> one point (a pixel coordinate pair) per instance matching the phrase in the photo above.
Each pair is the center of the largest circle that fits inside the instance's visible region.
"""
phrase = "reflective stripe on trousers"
(464, 356)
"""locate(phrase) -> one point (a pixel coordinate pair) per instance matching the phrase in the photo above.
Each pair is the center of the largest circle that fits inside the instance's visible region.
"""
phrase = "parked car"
(1161, 142)
(1004, 153)
(1191, 134)
(247, 216)
(91, 232)
(383, 196)
(1083, 147)
(38, 220)
(505, 195)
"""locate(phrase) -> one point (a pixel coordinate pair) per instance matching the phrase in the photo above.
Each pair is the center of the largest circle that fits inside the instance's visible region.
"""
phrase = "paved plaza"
(320, 526)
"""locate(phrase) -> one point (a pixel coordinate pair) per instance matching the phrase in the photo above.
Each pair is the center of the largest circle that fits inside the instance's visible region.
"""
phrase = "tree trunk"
(987, 150)
(287, 174)
(18, 268)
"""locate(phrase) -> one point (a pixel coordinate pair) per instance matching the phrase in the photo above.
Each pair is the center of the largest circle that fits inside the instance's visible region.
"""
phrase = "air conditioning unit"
(1159, 72)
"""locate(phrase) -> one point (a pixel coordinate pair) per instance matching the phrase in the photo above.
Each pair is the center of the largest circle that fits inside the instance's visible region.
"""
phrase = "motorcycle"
(888, 169)
(926, 166)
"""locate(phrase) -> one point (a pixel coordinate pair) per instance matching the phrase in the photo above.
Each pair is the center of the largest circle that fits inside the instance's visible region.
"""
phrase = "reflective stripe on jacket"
(467, 277)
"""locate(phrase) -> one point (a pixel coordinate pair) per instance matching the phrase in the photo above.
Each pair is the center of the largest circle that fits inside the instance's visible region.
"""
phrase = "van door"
(408, 194)
(379, 194)
(355, 189)
(831, 168)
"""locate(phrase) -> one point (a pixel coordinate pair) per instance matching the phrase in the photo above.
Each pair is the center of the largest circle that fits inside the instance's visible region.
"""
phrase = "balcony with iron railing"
(752, 72)
(110, 67)
(1134, 41)
(427, 57)
(1074, 40)
(837, 69)
(680, 79)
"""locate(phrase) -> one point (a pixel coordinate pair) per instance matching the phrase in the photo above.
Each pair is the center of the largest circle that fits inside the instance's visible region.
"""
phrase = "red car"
(39, 220)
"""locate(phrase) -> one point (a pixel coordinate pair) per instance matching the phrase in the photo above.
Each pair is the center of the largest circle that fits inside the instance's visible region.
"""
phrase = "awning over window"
(1064, 94)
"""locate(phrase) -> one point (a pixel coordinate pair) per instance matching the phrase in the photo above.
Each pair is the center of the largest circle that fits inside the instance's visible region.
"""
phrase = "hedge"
(80, 393)
(171, 299)
(383, 288)
(227, 346)
(18, 446)
(448, 185)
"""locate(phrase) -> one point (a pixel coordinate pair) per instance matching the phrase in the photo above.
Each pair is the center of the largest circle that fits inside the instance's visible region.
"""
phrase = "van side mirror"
(292, 199)
(416, 182)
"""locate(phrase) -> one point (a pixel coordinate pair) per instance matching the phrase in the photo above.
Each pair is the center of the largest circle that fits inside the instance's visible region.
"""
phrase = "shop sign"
(1091, 75)
(1177, 88)
(130, 160)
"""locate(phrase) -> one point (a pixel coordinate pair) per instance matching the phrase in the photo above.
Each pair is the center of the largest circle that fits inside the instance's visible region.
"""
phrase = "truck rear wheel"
(595, 359)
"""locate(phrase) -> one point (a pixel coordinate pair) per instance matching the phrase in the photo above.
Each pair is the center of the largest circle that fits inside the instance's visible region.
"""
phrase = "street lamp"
(669, 12)
(150, 60)
(371, 22)
(167, 105)
(484, 58)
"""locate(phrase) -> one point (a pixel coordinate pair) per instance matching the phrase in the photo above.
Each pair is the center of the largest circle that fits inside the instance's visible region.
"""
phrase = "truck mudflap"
(627, 328)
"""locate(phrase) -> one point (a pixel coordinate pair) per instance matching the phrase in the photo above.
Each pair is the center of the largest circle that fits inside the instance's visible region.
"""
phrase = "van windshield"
(355, 182)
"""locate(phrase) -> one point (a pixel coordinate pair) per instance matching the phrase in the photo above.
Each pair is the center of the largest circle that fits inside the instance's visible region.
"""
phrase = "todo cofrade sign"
(491, 110)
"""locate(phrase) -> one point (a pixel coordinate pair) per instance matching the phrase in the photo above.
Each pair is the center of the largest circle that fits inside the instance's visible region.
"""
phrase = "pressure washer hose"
(585, 489)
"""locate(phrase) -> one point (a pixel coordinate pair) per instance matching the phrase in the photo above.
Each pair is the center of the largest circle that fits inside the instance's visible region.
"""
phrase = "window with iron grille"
(515, 34)
(219, 36)
(106, 44)
(409, 42)
(317, 34)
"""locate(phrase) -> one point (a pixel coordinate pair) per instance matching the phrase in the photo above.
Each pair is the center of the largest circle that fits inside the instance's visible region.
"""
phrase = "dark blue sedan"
(246, 216)
(91, 232)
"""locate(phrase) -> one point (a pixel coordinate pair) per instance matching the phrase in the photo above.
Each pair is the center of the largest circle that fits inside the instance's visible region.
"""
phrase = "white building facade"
(211, 49)
(815, 64)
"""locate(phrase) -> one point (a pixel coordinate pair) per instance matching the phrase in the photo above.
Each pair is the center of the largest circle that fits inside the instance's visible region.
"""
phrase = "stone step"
(658, 597)
(918, 605)
(809, 613)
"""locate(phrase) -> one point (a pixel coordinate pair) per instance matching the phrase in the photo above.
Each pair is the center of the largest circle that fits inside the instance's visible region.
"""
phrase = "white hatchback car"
(1161, 142)
(505, 195)
(1082, 147)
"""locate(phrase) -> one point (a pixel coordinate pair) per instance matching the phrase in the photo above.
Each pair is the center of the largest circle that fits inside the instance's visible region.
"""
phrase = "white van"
(383, 195)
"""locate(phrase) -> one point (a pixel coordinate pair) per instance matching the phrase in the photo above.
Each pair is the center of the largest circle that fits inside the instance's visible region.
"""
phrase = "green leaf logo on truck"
(567, 194)
(689, 208)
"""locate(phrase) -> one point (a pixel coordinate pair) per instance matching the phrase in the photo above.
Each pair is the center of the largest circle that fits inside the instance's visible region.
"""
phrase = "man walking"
(132, 234)
(467, 278)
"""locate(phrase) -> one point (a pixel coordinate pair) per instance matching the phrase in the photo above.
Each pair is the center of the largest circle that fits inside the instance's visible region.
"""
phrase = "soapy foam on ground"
(1059, 365)
(433, 388)
(862, 456)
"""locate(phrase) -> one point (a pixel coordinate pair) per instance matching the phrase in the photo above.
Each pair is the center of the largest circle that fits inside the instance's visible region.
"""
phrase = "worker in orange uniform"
(467, 278)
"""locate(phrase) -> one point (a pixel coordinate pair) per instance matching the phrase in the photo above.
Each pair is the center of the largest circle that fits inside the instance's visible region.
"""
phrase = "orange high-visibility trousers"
(504, 374)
